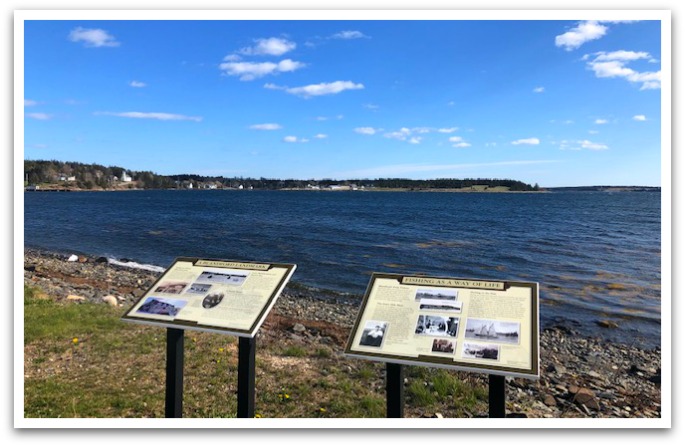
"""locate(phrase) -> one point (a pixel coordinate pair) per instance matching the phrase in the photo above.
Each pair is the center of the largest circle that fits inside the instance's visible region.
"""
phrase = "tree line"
(96, 176)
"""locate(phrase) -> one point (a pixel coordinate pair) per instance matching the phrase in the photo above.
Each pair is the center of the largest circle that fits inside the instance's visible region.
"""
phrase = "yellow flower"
(221, 349)
(257, 415)
(74, 341)
(322, 409)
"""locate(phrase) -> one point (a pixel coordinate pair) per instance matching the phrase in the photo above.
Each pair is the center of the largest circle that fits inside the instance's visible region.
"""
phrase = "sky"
(552, 102)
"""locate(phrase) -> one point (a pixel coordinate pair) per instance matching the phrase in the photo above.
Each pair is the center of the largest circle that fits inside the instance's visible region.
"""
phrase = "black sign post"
(246, 376)
(173, 407)
(497, 396)
(394, 388)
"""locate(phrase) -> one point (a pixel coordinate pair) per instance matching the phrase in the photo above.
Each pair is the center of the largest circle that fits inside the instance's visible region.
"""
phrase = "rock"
(72, 258)
(101, 260)
(656, 379)
(437, 415)
(299, 328)
(82, 259)
(30, 268)
(587, 398)
(573, 389)
(111, 300)
(607, 324)
(549, 400)
(75, 298)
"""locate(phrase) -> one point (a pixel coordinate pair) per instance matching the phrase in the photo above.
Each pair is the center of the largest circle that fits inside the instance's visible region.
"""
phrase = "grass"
(82, 361)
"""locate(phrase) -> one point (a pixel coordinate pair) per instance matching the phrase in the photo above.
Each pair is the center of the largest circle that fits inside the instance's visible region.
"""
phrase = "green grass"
(82, 361)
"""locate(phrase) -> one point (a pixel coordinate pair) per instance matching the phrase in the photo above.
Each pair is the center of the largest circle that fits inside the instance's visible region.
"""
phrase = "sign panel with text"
(465, 324)
(226, 296)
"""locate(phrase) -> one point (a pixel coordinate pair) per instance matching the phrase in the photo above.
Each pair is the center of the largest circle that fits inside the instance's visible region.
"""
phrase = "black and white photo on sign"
(171, 287)
(436, 293)
(480, 351)
(494, 331)
(162, 306)
(212, 300)
(432, 325)
(224, 277)
(199, 288)
(442, 346)
(373, 333)
(449, 306)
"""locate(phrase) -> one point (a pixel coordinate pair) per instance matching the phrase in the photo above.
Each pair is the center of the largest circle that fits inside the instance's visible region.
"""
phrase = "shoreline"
(580, 376)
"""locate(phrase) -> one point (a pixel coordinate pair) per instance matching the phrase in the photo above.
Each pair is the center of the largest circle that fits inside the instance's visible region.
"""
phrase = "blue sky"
(559, 103)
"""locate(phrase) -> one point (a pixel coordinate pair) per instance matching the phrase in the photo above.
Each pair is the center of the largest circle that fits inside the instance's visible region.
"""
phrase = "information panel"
(465, 324)
(230, 297)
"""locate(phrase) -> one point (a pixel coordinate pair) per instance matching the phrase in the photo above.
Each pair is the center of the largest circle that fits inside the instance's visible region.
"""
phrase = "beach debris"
(72, 258)
(111, 300)
(607, 324)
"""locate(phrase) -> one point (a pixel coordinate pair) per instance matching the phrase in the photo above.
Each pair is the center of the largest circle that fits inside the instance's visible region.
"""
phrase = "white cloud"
(232, 58)
(92, 38)
(526, 141)
(458, 142)
(613, 65)
(448, 129)
(273, 46)
(320, 136)
(247, 71)
(39, 116)
(639, 118)
(267, 126)
(582, 144)
(366, 130)
(401, 134)
(600, 121)
(137, 84)
(349, 35)
(292, 139)
(593, 132)
(451, 103)
(152, 115)
(584, 32)
(415, 140)
(321, 89)
(372, 107)
(29, 103)
(585, 144)
(539, 90)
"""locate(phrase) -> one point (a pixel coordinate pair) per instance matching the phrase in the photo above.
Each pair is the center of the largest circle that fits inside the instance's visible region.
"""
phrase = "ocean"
(596, 255)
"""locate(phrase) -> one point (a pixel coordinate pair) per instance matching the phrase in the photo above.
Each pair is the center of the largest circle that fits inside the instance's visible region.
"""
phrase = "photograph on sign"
(212, 295)
(464, 324)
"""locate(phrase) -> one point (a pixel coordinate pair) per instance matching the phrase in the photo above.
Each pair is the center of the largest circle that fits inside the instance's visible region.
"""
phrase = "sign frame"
(216, 264)
(453, 363)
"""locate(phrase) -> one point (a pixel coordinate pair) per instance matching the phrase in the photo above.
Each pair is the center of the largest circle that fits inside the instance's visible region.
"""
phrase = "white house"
(125, 177)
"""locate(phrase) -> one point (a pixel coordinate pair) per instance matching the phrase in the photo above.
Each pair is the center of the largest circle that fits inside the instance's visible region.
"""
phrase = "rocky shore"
(580, 376)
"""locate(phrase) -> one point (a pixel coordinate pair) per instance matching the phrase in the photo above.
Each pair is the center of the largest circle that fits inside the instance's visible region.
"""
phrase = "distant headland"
(41, 175)
(73, 176)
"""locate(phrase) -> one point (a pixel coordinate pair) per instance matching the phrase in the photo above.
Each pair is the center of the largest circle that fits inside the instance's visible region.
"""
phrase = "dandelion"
(322, 409)
(258, 415)
(221, 349)
(74, 341)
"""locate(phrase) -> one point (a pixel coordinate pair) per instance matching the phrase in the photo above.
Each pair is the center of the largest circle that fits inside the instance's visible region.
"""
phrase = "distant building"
(126, 178)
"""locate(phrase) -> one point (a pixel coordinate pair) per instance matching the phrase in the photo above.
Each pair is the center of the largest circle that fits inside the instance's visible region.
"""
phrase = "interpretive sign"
(225, 296)
(465, 324)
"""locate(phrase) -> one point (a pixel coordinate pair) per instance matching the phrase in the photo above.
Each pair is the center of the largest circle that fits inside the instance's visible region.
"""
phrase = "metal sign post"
(246, 376)
(497, 396)
(173, 407)
(394, 387)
